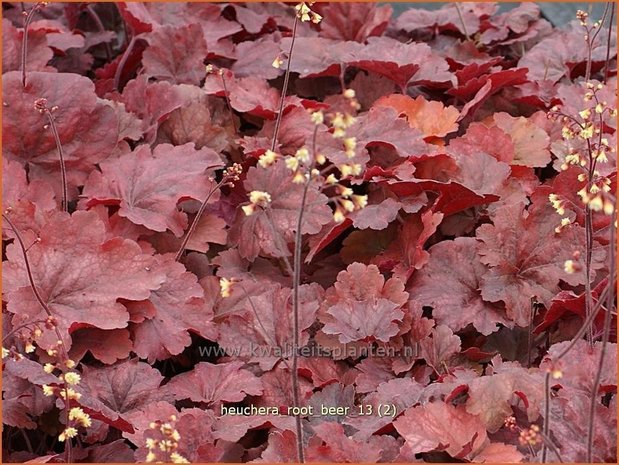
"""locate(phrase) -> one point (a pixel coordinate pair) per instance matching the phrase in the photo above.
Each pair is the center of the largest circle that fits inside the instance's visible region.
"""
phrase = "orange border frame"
(328, 1)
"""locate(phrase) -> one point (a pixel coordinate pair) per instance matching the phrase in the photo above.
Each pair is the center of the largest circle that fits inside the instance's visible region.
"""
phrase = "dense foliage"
(451, 176)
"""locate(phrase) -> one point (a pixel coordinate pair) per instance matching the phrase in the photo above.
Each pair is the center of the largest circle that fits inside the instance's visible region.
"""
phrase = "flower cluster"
(531, 436)
(232, 175)
(29, 333)
(76, 416)
(225, 287)
(527, 437)
(257, 199)
(587, 150)
(305, 13)
(162, 442)
(307, 165)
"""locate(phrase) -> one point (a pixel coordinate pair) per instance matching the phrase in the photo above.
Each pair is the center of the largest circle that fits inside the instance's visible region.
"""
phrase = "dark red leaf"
(148, 185)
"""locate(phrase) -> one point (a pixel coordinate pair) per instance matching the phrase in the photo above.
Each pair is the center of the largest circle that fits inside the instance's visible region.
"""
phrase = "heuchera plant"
(272, 232)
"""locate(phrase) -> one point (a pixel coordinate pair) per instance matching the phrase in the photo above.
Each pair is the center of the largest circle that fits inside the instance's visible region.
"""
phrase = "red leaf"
(377, 216)
(114, 391)
(580, 362)
(570, 414)
(328, 234)
(24, 202)
(357, 21)
(268, 231)
(107, 346)
(440, 347)
(152, 102)
(526, 257)
(260, 325)
(22, 401)
(406, 253)
(493, 398)
(201, 119)
(213, 384)
(331, 444)
(410, 63)
(255, 58)
(38, 53)
(148, 185)
(453, 196)
(516, 20)
(440, 426)
(495, 81)
(144, 415)
(463, 304)
(106, 271)
(567, 301)
(481, 138)
(357, 321)
(362, 305)
(558, 55)
(176, 54)
(401, 393)
(281, 448)
(465, 20)
(88, 128)
(490, 180)
(247, 94)
(174, 309)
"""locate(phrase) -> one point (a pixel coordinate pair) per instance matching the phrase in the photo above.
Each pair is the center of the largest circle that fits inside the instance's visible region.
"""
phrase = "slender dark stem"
(588, 320)
(530, 332)
(546, 428)
(278, 237)
(588, 256)
(466, 33)
(123, 61)
(552, 446)
(196, 220)
(63, 168)
(297, 253)
(257, 315)
(590, 43)
(24, 43)
(95, 17)
(295, 315)
(27, 440)
(602, 21)
(605, 337)
(27, 263)
(296, 284)
(610, 32)
(17, 328)
(227, 97)
(68, 451)
(65, 354)
(280, 112)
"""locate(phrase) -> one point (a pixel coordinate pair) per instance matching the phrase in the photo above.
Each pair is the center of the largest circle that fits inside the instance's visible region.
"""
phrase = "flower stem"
(123, 61)
(466, 33)
(227, 97)
(65, 354)
(605, 337)
(196, 220)
(546, 427)
(95, 17)
(24, 42)
(610, 32)
(63, 168)
(280, 112)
